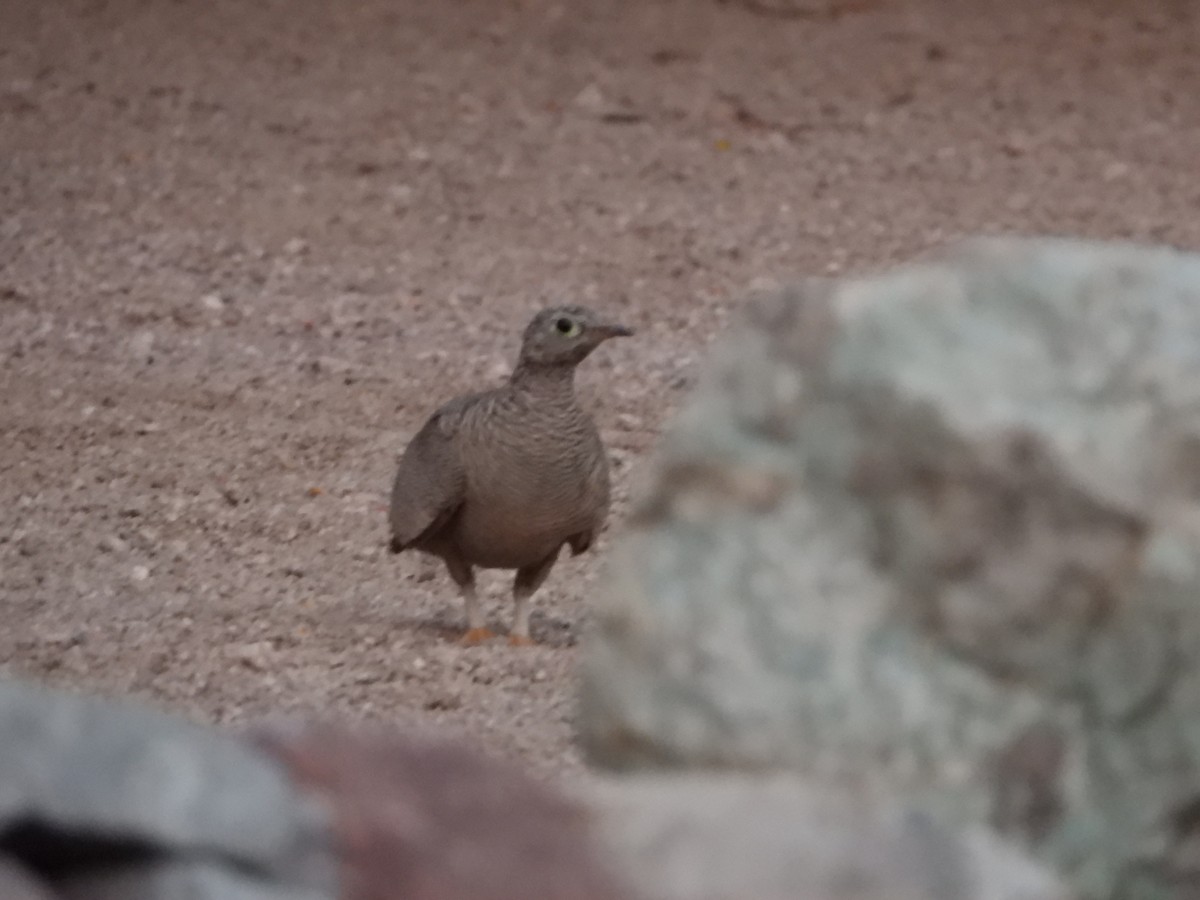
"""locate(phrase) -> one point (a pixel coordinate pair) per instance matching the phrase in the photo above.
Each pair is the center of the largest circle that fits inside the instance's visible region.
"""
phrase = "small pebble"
(112, 544)
(141, 347)
(257, 655)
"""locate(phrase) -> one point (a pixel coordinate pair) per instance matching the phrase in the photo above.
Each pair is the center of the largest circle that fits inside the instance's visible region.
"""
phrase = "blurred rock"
(705, 837)
(181, 880)
(18, 883)
(427, 819)
(104, 800)
(94, 789)
(935, 532)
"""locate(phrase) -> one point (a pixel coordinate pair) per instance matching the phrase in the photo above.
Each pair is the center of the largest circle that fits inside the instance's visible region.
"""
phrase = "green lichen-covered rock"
(937, 531)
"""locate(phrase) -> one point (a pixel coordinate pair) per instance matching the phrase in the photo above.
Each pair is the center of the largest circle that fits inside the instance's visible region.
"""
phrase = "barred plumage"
(503, 478)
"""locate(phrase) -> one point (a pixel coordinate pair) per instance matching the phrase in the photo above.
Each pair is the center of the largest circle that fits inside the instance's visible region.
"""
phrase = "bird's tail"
(395, 545)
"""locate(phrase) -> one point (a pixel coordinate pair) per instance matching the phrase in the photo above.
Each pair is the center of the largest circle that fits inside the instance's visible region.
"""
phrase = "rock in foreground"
(427, 819)
(96, 793)
(106, 800)
(937, 532)
(713, 837)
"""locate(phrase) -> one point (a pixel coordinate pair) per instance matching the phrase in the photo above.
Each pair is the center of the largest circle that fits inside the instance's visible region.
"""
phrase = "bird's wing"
(600, 492)
(430, 480)
(582, 542)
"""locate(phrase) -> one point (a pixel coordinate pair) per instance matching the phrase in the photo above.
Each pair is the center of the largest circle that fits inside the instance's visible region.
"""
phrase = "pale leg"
(528, 580)
(477, 629)
(464, 577)
(519, 633)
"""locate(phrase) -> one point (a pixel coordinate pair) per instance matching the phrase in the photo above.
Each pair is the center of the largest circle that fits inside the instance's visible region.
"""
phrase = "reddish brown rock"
(428, 819)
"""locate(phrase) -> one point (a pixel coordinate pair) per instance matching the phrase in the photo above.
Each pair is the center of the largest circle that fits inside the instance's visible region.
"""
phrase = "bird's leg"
(477, 630)
(528, 580)
(518, 635)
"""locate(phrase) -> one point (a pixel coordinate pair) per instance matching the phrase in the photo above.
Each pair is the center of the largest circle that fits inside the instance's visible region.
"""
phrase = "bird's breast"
(525, 497)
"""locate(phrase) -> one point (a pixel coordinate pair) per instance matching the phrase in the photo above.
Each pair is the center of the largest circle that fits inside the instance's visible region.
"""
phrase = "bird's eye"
(567, 327)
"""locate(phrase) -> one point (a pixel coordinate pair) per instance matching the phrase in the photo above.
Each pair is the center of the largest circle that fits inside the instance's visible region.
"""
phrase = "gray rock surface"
(936, 532)
(704, 837)
(181, 880)
(89, 783)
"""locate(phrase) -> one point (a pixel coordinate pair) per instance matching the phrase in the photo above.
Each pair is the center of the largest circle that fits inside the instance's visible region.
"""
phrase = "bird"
(503, 478)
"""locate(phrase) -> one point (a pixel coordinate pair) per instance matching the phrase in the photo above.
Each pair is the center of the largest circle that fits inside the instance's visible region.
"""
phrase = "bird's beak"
(612, 330)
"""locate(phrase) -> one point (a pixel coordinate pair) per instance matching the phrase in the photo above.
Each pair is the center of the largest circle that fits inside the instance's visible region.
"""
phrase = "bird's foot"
(521, 640)
(477, 636)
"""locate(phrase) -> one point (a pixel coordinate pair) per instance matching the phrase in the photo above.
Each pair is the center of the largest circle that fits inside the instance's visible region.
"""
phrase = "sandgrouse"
(503, 478)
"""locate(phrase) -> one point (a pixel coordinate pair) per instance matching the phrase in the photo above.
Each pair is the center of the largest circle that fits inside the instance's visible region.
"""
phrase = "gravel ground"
(245, 248)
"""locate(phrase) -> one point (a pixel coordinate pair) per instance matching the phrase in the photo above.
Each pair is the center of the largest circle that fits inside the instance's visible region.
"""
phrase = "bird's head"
(565, 335)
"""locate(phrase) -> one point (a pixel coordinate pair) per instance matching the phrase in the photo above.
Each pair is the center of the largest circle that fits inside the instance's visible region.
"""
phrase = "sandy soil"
(246, 247)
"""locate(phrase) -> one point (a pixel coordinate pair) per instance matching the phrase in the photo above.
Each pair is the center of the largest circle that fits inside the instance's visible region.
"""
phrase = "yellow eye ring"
(567, 327)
